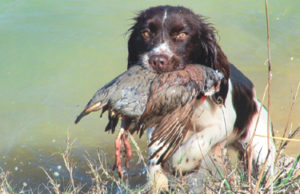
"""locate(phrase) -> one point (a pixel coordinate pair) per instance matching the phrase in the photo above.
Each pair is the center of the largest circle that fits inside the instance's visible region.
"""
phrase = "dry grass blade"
(269, 69)
(96, 176)
(288, 121)
(5, 187)
(55, 186)
(109, 176)
(139, 152)
(67, 161)
(285, 139)
(285, 143)
(66, 156)
(290, 138)
(261, 174)
(269, 84)
(251, 140)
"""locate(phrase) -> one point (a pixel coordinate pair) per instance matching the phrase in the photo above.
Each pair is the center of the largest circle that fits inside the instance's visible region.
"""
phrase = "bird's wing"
(173, 96)
(165, 97)
(167, 91)
(171, 132)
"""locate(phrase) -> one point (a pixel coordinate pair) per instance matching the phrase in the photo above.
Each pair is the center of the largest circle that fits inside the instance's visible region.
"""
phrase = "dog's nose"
(158, 61)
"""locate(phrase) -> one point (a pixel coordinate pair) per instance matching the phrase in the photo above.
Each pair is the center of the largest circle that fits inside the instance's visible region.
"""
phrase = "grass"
(230, 176)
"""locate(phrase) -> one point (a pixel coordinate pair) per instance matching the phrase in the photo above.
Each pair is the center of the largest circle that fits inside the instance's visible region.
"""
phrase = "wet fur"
(233, 123)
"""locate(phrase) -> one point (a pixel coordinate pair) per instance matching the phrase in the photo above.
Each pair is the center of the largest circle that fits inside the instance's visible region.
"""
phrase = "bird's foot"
(118, 164)
(119, 141)
(128, 151)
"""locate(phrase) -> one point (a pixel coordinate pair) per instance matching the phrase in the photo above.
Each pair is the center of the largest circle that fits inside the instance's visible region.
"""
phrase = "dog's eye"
(181, 36)
(146, 33)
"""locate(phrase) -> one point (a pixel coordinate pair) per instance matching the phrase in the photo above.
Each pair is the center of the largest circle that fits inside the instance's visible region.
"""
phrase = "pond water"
(56, 54)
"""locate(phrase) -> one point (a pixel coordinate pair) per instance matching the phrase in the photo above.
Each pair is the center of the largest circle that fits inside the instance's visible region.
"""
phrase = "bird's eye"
(181, 36)
(146, 33)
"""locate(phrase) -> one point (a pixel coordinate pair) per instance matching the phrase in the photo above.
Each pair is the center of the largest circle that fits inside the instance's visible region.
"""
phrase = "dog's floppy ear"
(207, 43)
(132, 47)
(135, 43)
(212, 55)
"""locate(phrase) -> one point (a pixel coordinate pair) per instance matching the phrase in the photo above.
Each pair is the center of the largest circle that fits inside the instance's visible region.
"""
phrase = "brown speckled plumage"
(145, 99)
(171, 104)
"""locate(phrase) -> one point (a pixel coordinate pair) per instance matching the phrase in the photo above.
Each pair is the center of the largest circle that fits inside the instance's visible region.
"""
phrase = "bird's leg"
(118, 144)
(122, 139)
(128, 151)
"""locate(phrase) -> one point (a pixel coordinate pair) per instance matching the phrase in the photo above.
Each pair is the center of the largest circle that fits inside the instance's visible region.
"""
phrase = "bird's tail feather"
(87, 110)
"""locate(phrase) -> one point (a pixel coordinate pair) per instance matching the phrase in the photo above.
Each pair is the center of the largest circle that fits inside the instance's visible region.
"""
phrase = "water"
(56, 54)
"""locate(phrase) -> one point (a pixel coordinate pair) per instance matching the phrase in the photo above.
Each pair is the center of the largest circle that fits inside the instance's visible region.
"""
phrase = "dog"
(166, 35)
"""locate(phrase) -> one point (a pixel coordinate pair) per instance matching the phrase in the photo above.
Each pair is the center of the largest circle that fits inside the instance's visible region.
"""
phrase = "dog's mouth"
(161, 63)
(172, 64)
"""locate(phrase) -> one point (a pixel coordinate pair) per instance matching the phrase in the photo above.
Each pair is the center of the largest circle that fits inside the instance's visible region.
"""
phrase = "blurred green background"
(55, 54)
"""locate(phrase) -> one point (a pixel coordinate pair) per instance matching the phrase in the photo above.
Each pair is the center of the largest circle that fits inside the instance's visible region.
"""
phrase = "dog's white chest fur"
(212, 124)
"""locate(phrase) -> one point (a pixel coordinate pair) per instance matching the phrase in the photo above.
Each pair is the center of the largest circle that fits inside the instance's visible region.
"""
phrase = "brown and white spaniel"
(167, 36)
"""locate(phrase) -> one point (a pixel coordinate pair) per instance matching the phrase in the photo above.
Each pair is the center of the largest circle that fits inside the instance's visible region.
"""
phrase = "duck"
(143, 99)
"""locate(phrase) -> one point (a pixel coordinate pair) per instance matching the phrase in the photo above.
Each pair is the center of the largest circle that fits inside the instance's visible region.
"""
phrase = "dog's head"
(166, 38)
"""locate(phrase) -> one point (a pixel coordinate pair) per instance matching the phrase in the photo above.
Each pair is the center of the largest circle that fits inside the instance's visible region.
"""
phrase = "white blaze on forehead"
(165, 17)
(161, 49)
